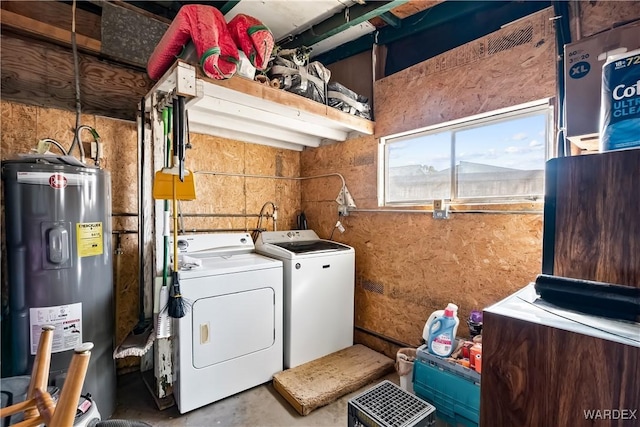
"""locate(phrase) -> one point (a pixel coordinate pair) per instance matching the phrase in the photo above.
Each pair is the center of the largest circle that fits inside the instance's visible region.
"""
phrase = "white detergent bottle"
(440, 313)
(441, 335)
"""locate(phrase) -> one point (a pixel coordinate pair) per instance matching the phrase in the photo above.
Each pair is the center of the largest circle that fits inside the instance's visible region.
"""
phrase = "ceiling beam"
(58, 14)
(346, 18)
(47, 32)
(413, 24)
(391, 19)
(40, 73)
(432, 17)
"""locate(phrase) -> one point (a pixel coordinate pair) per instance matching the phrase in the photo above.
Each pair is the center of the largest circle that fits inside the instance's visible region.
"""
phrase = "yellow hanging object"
(163, 185)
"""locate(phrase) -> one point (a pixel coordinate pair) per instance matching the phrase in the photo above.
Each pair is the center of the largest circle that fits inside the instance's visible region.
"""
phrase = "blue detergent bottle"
(441, 334)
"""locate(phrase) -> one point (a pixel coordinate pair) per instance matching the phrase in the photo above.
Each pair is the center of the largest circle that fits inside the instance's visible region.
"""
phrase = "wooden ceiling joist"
(48, 22)
(40, 73)
(57, 14)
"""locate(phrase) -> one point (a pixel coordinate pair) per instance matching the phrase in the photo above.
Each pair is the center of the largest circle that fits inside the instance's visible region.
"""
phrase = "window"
(498, 156)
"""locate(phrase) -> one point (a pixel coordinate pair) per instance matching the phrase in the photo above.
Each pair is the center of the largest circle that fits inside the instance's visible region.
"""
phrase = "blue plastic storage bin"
(452, 389)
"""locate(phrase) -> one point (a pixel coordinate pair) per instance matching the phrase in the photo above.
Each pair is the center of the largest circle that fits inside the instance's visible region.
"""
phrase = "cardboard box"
(583, 79)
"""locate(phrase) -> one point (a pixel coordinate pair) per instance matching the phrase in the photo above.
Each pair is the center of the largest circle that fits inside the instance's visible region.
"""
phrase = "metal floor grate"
(392, 406)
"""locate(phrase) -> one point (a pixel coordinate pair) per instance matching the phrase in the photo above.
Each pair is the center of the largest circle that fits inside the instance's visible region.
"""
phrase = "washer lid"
(293, 243)
(312, 246)
(213, 265)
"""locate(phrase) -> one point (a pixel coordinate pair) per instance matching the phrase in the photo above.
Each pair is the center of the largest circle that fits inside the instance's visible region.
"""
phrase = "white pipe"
(271, 176)
(576, 5)
(275, 208)
(450, 211)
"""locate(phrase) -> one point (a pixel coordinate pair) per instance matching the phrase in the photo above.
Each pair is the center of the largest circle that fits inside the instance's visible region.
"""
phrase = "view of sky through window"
(499, 157)
(516, 143)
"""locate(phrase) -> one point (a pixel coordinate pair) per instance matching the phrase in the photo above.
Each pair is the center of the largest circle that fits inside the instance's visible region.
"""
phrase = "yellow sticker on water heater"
(89, 238)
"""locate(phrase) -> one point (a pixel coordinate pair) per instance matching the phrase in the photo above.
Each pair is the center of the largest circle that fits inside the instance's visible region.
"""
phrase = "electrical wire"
(332, 231)
(77, 138)
(76, 73)
(56, 143)
(334, 228)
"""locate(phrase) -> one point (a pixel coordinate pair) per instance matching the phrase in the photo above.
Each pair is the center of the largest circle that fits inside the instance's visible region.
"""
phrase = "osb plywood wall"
(219, 195)
(596, 16)
(506, 68)
(408, 264)
(23, 125)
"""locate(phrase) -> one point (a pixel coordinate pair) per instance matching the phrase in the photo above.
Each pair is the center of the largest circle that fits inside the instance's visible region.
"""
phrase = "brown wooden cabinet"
(547, 367)
(592, 217)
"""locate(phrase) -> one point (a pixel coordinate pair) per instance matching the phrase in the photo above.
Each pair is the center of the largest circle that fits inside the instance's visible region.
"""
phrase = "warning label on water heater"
(67, 319)
(89, 236)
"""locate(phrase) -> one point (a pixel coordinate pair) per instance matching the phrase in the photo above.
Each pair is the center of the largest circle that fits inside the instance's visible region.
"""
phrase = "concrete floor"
(259, 406)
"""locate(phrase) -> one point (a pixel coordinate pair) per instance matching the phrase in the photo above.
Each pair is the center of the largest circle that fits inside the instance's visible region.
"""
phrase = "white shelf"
(248, 111)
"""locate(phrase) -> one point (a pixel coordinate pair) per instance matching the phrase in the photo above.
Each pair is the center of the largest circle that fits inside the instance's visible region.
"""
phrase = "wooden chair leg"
(65, 409)
(39, 402)
(39, 378)
(41, 365)
(17, 408)
(33, 422)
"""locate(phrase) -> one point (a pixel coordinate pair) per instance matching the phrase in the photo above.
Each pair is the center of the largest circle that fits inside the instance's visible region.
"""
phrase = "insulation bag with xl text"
(206, 27)
(253, 38)
(620, 102)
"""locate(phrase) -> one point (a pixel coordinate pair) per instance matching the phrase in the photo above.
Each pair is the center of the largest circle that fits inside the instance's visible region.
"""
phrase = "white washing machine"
(319, 282)
(231, 337)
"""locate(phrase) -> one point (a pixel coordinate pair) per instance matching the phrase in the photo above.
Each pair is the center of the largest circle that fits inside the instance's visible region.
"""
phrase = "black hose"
(176, 134)
(181, 136)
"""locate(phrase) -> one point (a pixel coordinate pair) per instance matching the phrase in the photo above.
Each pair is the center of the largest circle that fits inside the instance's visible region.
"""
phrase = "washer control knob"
(290, 234)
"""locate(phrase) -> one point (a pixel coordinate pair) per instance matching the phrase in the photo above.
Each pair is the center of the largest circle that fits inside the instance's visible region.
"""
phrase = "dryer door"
(229, 326)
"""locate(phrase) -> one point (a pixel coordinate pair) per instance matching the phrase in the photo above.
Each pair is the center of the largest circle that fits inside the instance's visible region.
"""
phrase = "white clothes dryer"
(231, 337)
(319, 283)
